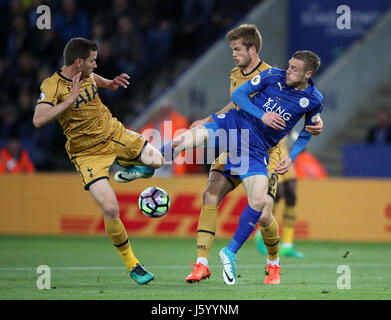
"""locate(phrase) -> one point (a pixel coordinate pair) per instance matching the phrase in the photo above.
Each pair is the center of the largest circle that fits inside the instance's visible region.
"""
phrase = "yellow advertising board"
(331, 209)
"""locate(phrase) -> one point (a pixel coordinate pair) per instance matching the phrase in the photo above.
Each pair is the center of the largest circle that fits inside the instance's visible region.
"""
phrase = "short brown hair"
(78, 48)
(311, 60)
(249, 34)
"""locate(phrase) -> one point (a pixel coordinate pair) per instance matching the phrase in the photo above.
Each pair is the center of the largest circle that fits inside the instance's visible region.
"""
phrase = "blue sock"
(247, 222)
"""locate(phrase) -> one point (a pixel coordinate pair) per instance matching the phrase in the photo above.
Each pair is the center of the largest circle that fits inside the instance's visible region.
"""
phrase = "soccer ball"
(154, 202)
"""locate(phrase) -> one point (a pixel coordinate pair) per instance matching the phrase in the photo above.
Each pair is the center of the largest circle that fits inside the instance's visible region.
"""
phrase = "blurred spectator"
(71, 22)
(107, 67)
(9, 116)
(50, 48)
(119, 9)
(158, 41)
(127, 48)
(25, 128)
(19, 39)
(380, 133)
(23, 74)
(133, 37)
(98, 31)
(14, 158)
(195, 29)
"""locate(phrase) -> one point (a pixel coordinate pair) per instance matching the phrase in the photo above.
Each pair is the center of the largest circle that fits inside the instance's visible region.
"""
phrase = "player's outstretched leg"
(150, 159)
(130, 173)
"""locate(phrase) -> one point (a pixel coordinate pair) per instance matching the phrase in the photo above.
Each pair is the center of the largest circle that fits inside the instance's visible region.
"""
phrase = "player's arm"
(317, 128)
(209, 118)
(302, 140)
(45, 112)
(241, 97)
(121, 80)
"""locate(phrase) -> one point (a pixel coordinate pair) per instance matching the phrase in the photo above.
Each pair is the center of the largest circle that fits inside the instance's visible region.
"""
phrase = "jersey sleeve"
(311, 117)
(49, 92)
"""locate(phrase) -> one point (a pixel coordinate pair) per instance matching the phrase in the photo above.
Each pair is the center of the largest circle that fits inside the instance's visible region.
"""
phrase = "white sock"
(273, 262)
(287, 245)
(202, 260)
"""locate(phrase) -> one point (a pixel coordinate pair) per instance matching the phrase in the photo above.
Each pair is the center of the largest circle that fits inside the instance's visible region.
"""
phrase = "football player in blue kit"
(281, 99)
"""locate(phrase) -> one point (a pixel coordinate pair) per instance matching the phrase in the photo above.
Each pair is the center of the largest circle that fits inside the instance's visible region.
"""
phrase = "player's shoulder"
(272, 75)
(264, 66)
(236, 70)
(316, 94)
(51, 80)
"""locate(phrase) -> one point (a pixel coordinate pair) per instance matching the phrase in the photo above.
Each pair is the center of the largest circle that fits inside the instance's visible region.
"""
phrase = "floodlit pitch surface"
(90, 268)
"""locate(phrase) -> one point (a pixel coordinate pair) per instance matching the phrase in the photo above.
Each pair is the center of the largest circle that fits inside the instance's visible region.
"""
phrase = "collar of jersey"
(255, 68)
(62, 76)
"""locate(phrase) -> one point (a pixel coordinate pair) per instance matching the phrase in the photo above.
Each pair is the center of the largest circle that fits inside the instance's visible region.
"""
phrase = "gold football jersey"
(237, 77)
(87, 122)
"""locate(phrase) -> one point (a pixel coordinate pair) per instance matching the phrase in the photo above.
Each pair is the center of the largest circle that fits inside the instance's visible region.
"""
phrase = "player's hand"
(316, 129)
(273, 120)
(119, 81)
(76, 84)
(283, 165)
(200, 122)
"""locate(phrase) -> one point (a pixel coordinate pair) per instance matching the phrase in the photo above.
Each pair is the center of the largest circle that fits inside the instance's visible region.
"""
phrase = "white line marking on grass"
(252, 266)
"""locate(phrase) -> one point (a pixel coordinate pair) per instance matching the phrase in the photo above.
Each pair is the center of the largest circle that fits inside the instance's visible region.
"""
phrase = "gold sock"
(289, 224)
(118, 236)
(271, 239)
(206, 230)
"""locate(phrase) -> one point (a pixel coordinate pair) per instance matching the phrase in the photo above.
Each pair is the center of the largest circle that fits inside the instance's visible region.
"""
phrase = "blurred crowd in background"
(141, 38)
(153, 41)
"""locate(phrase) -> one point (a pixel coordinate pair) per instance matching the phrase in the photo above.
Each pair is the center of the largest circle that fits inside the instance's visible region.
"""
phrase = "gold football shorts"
(274, 157)
(94, 164)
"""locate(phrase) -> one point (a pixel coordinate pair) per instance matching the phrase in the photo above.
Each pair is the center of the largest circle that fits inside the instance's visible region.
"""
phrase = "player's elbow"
(37, 122)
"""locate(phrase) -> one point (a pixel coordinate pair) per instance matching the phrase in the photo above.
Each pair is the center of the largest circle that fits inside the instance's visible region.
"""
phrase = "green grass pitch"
(90, 268)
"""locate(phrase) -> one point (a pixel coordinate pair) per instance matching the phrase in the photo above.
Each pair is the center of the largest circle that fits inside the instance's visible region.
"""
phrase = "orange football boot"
(272, 274)
(199, 272)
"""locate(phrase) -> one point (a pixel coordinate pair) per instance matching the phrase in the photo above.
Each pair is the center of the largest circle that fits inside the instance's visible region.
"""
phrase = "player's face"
(88, 65)
(296, 74)
(240, 54)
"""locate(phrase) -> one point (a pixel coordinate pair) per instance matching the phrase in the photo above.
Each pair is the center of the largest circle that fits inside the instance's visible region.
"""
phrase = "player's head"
(245, 42)
(82, 54)
(302, 65)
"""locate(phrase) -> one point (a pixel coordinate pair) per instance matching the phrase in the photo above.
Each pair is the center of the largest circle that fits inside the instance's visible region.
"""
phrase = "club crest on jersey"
(256, 80)
(41, 96)
(221, 116)
(304, 102)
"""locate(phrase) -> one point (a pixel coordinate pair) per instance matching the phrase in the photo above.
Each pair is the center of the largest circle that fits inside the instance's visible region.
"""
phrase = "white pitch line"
(92, 268)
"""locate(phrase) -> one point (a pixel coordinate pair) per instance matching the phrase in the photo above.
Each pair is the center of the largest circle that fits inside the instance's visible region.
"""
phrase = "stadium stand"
(147, 39)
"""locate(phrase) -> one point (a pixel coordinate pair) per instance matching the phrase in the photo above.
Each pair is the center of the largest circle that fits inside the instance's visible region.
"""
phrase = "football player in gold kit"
(245, 42)
(94, 137)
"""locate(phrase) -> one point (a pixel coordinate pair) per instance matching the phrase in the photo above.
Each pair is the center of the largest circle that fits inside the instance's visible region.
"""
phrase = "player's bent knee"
(210, 197)
(110, 210)
(257, 203)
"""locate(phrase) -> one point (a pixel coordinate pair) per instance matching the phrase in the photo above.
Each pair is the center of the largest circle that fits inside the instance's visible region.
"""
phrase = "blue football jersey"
(273, 95)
